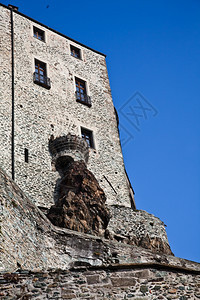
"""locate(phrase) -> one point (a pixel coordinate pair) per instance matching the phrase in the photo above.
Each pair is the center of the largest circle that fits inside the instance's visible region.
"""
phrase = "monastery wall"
(41, 261)
(40, 112)
(5, 90)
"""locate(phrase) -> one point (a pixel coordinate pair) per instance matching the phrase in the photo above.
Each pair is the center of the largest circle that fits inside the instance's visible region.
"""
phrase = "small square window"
(87, 135)
(81, 92)
(38, 34)
(76, 52)
(40, 74)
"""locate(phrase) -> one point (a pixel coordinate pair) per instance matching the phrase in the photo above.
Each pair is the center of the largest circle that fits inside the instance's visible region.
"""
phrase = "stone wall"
(137, 227)
(31, 248)
(5, 90)
(139, 283)
(41, 112)
(29, 240)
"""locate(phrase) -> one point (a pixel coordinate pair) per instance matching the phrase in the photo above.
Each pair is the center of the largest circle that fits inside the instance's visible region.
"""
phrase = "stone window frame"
(86, 88)
(48, 86)
(94, 134)
(89, 136)
(74, 50)
(39, 30)
(81, 49)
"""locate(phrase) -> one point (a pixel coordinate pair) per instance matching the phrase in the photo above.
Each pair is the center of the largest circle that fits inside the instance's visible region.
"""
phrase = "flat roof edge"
(55, 31)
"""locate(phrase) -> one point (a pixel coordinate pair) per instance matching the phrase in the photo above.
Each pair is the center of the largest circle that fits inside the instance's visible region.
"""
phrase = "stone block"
(123, 281)
(172, 291)
(68, 296)
(142, 274)
(93, 279)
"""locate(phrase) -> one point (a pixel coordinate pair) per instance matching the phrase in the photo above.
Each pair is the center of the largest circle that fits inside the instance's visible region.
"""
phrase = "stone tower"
(60, 144)
(54, 87)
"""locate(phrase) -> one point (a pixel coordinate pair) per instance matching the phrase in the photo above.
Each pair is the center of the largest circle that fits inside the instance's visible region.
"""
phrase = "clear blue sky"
(152, 47)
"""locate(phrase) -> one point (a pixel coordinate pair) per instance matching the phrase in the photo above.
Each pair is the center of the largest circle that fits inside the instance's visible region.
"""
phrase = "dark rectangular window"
(81, 92)
(26, 155)
(38, 34)
(76, 52)
(87, 135)
(40, 74)
(40, 70)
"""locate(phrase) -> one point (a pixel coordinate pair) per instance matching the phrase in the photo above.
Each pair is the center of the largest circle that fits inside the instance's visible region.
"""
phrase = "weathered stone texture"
(135, 283)
(29, 240)
(68, 147)
(5, 90)
(39, 112)
(137, 227)
(95, 268)
(81, 202)
(90, 267)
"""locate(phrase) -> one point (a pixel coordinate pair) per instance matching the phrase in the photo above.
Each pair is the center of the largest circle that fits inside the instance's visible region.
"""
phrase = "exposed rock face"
(81, 207)
(81, 203)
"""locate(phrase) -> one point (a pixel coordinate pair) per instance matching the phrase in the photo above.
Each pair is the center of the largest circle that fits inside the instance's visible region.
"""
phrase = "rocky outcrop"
(81, 207)
(81, 202)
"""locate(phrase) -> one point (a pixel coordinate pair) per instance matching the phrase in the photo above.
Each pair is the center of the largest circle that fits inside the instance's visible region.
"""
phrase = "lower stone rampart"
(138, 227)
(29, 240)
(135, 282)
(90, 267)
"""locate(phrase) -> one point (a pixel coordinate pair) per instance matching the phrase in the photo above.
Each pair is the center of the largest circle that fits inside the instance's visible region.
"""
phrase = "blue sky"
(153, 48)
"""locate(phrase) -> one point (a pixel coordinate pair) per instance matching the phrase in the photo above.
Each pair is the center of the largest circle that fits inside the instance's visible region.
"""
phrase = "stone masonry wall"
(32, 251)
(137, 227)
(29, 240)
(141, 283)
(40, 112)
(5, 90)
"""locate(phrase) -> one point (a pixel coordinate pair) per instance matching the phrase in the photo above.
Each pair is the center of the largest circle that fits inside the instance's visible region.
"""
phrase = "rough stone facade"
(29, 240)
(40, 112)
(68, 148)
(139, 283)
(137, 227)
(5, 90)
(32, 251)
(132, 258)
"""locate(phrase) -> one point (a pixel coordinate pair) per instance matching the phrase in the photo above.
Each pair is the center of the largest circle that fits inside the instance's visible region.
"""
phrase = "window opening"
(76, 52)
(87, 135)
(38, 34)
(81, 92)
(40, 71)
(40, 74)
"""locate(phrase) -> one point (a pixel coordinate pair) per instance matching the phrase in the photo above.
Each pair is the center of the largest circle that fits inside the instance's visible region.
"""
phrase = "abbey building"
(53, 86)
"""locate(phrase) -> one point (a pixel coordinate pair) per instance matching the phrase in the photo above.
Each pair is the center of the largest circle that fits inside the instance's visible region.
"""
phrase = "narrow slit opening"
(26, 155)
